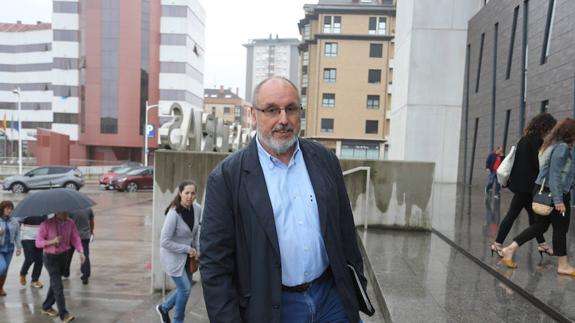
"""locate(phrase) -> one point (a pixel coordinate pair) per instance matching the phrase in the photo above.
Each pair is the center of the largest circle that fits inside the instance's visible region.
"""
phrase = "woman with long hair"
(557, 172)
(179, 245)
(9, 240)
(522, 179)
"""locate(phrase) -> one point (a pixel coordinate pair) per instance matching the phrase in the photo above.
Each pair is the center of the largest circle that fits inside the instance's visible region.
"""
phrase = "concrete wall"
(400, 193)
(428, 82)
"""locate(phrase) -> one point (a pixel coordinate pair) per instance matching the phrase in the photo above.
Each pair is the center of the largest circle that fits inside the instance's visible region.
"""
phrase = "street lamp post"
(17, 91)
(148, 107)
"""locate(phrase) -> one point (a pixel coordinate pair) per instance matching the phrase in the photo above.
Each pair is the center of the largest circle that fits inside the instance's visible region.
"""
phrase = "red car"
(134, 180)
(106, 179)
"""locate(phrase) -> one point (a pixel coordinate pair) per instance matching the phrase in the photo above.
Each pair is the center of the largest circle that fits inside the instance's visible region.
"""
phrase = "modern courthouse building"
(90, 72)
(270, 56)
(346, 54)
(520, 62)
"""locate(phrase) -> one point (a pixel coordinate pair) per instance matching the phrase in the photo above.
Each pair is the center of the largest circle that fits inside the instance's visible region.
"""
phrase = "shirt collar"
(270, 160)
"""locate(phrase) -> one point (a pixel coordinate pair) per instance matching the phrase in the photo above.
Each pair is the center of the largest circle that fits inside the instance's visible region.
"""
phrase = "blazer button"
(275, 306)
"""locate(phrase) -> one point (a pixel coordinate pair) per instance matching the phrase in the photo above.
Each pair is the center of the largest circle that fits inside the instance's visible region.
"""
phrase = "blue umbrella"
(52, 201)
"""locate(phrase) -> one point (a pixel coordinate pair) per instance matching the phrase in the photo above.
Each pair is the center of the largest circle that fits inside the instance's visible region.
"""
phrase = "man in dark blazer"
(278, 230)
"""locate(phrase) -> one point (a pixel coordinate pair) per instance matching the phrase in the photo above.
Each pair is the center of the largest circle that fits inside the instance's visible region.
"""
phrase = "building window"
(226, 110)
(373, 101)
(305, 58)
(512, 42)
(371, 126)
(67, 118)
(326, 125)
(328, 100)
(306, 32)
(374, 76)
(548, 31)
(479, 62)
(332, 24)
(377, 25)
(375, 50)
(330, 49)
(329, 75)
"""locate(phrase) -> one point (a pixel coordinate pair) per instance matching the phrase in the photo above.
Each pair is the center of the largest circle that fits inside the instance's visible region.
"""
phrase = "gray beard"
(278, 146)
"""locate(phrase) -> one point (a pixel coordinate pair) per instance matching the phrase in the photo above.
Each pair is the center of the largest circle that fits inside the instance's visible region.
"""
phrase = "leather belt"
(305, 286)
(298, 288)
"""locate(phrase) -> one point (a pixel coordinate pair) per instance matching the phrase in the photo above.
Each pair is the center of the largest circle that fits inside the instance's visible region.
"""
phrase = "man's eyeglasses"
(291, 110)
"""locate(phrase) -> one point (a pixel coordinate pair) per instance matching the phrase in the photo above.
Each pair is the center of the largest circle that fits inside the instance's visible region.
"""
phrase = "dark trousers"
(560, 225)
(55, 265)
(32, 255)
(85, 267)
(519, 201)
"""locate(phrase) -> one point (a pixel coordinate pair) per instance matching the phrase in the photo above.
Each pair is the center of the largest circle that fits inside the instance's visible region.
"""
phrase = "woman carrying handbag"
(179, 249)
(522, 180)
(556, 174)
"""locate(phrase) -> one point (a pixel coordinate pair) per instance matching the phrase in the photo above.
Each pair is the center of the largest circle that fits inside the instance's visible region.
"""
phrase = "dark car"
(45, 177)
(134, 180)
(106, 179)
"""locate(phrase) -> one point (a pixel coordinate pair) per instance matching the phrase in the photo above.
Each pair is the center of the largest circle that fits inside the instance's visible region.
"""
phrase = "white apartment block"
(271, 56)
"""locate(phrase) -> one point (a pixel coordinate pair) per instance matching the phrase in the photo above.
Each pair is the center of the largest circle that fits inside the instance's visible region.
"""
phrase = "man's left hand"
(18, 252)
(82, 258)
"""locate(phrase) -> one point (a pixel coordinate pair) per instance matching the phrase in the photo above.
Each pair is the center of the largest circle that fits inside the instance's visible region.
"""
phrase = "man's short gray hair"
(274, 77)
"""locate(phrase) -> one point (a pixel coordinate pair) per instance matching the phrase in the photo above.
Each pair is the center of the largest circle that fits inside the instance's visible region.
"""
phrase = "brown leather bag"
(193, 265)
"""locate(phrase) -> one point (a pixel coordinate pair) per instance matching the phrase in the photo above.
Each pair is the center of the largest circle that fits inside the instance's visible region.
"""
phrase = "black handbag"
(543, 201)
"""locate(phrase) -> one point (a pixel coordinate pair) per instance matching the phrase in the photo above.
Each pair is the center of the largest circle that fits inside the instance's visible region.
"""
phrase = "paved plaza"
(444, 276)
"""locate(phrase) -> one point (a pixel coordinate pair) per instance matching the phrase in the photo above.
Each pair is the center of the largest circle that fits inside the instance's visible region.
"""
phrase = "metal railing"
(367, 184)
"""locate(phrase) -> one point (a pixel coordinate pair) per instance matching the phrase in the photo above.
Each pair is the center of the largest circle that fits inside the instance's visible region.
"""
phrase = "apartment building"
(90, 72)
(347, 75)
(228, 106)
(270, 56)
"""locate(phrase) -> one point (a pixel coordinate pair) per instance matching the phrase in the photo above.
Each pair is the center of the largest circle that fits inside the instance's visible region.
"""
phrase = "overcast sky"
(229, 24)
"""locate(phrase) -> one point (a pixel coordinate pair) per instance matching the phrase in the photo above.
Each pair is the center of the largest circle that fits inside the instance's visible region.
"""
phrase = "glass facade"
(110, 30)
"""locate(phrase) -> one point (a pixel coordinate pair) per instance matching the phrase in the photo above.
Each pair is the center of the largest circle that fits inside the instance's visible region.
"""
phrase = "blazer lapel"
(257, 192)
(316, 177)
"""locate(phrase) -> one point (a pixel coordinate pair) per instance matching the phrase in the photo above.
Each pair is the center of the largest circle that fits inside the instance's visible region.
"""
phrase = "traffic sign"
(150, 131)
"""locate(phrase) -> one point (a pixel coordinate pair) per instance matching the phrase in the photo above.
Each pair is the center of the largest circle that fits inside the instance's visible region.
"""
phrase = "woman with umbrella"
(32, 255)
(9, 238)
(56, 236)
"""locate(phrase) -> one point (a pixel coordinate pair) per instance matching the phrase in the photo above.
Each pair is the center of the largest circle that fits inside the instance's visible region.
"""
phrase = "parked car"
(106, 179)
(45, 177)
(134, 180)
(129, 164)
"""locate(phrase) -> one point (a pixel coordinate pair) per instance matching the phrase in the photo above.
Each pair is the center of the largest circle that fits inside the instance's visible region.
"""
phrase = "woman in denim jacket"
(9, 240)
(557, 172)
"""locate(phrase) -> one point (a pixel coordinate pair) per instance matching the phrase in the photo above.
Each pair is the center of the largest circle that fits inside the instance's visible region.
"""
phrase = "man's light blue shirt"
(302, 250)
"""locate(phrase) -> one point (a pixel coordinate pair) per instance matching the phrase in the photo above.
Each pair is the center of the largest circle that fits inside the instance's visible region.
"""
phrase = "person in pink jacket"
(56, 236)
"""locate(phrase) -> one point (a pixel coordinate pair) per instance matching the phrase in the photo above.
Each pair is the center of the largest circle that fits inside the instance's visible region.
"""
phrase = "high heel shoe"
(496, 248)
(544, 248)
(508, 262)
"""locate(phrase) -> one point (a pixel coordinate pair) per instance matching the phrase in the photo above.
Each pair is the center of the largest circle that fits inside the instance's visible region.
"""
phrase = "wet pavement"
(120, 287)
(447, 275)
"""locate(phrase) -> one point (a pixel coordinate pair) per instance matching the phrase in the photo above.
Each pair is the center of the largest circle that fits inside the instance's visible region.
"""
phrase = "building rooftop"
(220, 93)
(272, 40)
(20, 27)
